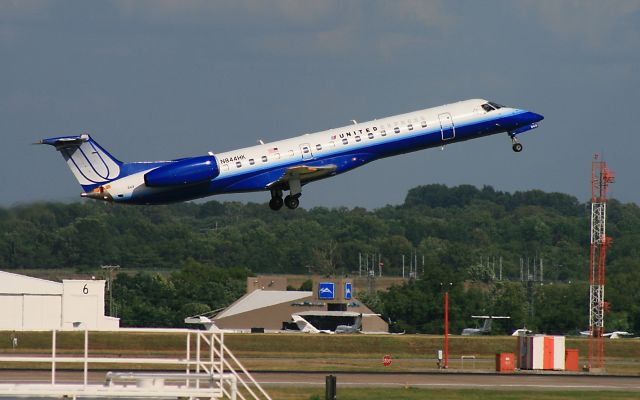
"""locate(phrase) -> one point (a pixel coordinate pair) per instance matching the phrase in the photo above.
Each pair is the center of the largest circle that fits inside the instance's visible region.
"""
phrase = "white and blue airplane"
(285, 165)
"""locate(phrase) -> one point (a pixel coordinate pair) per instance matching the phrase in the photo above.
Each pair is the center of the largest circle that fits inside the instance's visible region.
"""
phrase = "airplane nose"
(533, 117)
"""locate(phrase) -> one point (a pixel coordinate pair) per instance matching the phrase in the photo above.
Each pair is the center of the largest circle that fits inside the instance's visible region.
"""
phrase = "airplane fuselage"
(291, 163)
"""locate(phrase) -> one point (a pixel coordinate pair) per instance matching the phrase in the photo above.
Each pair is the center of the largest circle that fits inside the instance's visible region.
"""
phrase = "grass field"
(319, 352)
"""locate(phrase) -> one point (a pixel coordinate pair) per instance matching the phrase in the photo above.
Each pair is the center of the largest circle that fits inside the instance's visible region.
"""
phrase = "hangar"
(267, 305)
(28, 303)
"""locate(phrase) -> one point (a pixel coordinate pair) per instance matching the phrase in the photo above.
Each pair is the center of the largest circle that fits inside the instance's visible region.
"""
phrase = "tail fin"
(92, 165)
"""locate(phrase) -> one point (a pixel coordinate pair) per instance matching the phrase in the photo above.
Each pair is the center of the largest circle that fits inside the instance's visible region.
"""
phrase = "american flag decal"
(333, 137)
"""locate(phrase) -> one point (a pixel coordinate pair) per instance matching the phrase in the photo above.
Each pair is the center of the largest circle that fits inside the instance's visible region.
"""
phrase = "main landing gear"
(517, 147)
(292, 201)
(276, 201)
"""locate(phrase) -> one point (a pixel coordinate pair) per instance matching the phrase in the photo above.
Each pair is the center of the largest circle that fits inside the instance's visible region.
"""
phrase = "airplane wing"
(617, 334)
(303, 173)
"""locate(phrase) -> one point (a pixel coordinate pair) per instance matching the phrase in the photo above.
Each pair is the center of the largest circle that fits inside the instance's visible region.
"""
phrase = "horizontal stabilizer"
(65, 141)
(92, 165)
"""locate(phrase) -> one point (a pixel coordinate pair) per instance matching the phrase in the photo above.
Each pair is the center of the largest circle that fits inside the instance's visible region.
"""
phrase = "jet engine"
(188, 171)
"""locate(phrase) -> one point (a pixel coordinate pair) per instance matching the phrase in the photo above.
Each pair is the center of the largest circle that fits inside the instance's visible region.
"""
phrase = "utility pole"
(109, 275)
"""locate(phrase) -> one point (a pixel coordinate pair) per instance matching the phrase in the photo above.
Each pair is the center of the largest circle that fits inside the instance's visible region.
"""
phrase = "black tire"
(291, 202)
(276, 203)
(517, 147)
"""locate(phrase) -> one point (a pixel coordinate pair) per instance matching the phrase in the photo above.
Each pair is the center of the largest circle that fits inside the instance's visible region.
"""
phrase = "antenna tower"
(601, 177)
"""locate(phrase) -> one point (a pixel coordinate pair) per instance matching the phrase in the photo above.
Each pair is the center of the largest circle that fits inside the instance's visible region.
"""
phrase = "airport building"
(28, 303)
(267, 305)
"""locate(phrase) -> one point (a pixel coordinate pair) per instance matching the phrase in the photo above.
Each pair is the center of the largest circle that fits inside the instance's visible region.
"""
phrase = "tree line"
(451, 228)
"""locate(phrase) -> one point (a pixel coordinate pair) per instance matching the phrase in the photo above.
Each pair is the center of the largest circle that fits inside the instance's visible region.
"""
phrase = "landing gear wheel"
(517, 147)
(291, 202)
(276, 203)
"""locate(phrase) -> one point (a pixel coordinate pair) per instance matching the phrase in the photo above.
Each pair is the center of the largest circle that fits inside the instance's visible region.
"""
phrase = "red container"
(571, 360)
(505, 362)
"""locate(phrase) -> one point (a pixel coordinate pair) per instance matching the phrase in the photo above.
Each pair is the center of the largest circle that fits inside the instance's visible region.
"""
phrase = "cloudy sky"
(154, 80)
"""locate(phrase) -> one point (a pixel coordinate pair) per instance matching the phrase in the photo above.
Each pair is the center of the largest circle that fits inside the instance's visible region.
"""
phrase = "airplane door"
(447, 129)
(305, 150)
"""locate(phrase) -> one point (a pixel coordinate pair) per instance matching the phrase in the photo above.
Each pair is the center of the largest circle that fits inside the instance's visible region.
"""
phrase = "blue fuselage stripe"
(352, 156)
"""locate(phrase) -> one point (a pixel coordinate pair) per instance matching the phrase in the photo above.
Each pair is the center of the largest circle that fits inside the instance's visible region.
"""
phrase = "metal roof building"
(28, 303)
(267, 306)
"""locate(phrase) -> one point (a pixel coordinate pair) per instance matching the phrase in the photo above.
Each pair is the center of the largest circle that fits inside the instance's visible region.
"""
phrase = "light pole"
(446, 325)
(446, 330)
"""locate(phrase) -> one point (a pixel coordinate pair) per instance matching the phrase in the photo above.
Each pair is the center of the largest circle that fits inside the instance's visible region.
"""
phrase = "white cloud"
(310, 28)
(604, 26)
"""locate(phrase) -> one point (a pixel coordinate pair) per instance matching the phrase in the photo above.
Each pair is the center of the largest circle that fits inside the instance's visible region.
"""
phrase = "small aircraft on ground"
(522, 332)
(486, 325)
(285, 165)
(610, 335)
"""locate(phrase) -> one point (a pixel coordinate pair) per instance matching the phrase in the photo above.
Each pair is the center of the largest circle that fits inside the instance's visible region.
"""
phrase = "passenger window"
(345, 141)
(424, 124)
(370, 135)
(410, 126)
(251, 161)
(264, 158)
(383, 133)
(238, 164)
(358, 138)
(396, 129)
(318, 147)
(305, 150)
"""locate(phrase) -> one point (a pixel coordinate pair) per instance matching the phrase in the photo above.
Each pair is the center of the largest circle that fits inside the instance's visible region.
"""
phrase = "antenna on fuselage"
(260, 141)
(353, 121)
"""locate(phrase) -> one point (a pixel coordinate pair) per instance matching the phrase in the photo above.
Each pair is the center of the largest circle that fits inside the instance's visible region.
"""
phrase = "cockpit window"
(490, 106)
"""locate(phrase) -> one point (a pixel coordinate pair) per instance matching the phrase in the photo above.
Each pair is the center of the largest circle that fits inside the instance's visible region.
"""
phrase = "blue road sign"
(326, 290)
(347, 291)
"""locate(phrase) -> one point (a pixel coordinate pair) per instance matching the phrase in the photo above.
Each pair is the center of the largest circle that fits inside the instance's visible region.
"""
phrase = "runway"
(418, 380)
(457, 380)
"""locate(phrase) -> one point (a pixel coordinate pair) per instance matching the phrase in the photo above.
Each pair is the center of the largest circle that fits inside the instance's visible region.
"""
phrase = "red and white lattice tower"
(601, 177)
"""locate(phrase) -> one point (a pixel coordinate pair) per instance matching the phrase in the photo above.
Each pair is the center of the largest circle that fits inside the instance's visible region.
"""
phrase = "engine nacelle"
(189, 171)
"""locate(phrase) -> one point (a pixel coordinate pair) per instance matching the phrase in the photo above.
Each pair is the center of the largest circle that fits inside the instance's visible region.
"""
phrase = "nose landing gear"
(517, 147)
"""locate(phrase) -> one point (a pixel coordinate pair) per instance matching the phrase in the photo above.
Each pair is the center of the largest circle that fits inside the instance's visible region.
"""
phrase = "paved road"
(430, 380)
(458, 380)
